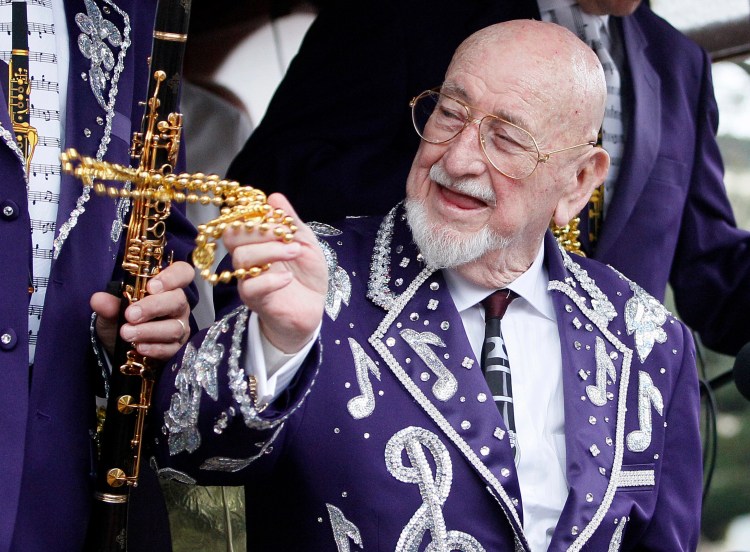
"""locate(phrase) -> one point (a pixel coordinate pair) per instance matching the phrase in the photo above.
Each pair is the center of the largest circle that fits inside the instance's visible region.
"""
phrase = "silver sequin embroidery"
(363, 404)
(339, 283)
(616, 543)
(446, 385)
(343, 529)
(645, 317)
(433, 488)
(648, 395)
(604, 368)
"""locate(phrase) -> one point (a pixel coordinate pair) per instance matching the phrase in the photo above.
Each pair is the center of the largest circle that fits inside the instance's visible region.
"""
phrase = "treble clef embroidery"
(362, 405)
(446, 385)
(434, 489)
(648, 394)
(604, 368)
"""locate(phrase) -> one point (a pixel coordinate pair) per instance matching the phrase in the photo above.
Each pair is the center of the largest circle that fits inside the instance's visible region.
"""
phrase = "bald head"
(555, 67)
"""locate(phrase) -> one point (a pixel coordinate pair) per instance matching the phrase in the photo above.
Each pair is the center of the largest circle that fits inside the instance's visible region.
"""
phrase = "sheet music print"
(44, 171)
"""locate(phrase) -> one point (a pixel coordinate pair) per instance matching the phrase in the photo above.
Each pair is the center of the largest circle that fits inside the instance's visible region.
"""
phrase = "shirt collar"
(530, 286)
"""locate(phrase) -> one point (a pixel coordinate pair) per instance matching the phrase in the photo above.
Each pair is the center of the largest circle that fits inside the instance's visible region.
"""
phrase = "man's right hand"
(289, 297)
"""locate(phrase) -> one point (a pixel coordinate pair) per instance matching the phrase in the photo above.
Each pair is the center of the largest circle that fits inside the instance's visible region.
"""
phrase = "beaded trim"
(339, 283)
(396, 305)
(600, 316)
(10, 140)
(224, 464)
(636, 478)
(377, 286)
(67, 227)
(239, 385)
(98, 354)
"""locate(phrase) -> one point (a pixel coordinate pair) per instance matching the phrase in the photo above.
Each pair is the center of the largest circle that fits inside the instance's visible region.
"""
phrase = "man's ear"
(592, 170)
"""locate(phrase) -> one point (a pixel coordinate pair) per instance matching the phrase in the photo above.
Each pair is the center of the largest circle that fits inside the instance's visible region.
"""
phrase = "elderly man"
(351, 400)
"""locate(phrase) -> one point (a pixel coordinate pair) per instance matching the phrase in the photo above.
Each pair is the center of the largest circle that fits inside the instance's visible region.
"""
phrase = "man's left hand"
(158, 324)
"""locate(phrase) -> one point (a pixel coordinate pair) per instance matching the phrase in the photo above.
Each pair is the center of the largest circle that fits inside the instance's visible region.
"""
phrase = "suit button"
(9, 210)
(8, 339)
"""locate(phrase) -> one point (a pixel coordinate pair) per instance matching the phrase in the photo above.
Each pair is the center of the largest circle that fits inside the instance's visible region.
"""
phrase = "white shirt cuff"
(273, 369)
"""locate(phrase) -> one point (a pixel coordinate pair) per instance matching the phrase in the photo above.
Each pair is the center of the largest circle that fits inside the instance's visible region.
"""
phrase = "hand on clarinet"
(158, 323)
(289, 297)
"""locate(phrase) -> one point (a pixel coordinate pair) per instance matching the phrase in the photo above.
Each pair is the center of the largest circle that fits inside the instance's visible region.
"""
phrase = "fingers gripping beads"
(241, 206)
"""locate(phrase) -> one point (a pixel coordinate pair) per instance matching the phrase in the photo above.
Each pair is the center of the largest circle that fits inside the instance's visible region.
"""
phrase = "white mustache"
(466, 186)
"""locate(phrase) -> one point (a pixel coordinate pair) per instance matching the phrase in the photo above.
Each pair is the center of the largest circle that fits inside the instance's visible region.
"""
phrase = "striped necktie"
(495, 363)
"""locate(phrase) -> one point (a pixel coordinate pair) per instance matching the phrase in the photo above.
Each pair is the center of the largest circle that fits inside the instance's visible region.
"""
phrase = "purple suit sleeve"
(675, 524)
(711, 271)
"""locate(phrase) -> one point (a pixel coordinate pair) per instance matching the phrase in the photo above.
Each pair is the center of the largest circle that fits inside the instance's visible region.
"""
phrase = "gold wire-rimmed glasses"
(512, 150)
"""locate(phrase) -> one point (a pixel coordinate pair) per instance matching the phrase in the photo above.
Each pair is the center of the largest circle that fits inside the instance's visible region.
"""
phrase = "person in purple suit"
(344, 387)
(88, 65)
(339, 127)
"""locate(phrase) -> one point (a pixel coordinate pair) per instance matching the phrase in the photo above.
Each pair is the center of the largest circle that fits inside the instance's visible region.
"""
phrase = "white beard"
(444, 247)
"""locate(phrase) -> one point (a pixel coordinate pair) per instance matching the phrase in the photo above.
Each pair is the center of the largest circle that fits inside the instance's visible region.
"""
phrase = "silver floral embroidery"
(616, 542)
(343, 529)
(648, 395)
(597, 394)
(433, 488)
(363, 404)
(175, 475)
(447, 384)
(95, 31)
(231, 465)
(109, 108)
(645, 316)
(339, 284)
(604, 310)
(197, 373)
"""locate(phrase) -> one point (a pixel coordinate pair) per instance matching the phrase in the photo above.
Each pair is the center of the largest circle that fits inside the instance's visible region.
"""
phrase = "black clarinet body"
(154, 150)
(19, 84)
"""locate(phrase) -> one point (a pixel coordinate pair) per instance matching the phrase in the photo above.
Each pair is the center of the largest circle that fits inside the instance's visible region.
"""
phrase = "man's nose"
(463, 154)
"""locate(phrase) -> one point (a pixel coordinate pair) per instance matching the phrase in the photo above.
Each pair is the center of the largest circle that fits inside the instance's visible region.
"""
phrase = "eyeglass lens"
(439, 118)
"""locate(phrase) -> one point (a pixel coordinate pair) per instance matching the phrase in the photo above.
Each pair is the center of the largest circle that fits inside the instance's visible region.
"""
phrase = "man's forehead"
(500, 103)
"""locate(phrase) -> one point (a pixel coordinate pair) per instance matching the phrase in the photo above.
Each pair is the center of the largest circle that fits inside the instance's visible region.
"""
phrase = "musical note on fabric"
(36, 310)
(434, 487)
(40, 282)
(45, 3)
(44, 169)
(446, 385)
(44, 84)
(363, 404)
(43, 225)
(48, 196)
(36, 28)
(48, 141)
(41, 253)
(604, 368)
(46, 114)
(648, 395)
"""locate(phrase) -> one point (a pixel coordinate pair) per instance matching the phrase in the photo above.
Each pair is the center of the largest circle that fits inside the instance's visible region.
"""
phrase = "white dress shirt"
(533, 344)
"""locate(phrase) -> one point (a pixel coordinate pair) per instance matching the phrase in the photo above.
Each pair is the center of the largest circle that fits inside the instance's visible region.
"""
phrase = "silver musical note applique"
(604, 368)
(648, 395)
(363, 404)
(446, 385)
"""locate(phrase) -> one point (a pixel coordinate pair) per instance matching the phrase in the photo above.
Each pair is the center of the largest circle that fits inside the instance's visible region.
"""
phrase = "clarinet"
(19, 85)
(155, 149)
